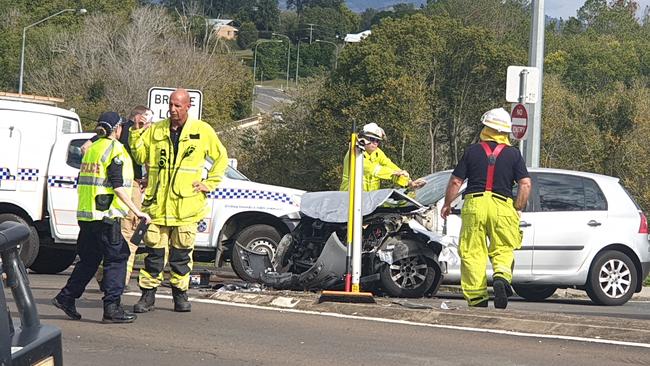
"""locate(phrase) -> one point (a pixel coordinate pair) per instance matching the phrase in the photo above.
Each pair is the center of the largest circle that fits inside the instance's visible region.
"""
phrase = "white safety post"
(357, 220)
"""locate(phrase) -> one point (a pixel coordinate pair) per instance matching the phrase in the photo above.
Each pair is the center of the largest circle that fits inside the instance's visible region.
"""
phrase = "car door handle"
(455, 211)
(62, 181)
(524, 224)
(593, 223)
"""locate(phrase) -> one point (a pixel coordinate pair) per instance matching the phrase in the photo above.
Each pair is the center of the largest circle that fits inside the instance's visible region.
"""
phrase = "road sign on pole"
(159, 102)
(522, 84)
(519, 116)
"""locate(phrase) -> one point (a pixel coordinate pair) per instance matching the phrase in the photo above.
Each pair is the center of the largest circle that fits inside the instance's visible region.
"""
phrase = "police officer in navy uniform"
(491, 168)
(104, 188)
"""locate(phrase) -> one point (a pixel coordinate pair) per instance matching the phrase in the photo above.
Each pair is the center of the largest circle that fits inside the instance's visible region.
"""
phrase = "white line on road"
(406, 322)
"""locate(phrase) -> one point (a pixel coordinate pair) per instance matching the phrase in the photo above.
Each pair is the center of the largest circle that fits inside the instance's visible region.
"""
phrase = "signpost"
(159, 102)
(519, 116)
(522, 84)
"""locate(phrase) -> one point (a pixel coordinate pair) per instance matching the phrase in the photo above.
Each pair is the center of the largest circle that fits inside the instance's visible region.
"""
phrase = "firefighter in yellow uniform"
(104, 185)
(491, 168)
(175, 150)
(376, 165)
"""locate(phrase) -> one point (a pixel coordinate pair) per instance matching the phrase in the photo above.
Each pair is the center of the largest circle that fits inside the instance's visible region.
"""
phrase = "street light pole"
(297, 61)
(22, 51)
(336, 51)
(257, 43)
(288, 53)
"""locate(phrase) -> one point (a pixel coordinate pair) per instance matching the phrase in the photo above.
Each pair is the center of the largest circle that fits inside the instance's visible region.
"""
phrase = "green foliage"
(329, 22)
(425, 80)
(271, 60)
(247, 35)
(112, 61)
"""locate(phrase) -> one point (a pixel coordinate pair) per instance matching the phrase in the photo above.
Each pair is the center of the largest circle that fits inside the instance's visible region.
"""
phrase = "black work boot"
(67, 306)
(181, 304)
(146, 302)
(502, 291)
(115, 313)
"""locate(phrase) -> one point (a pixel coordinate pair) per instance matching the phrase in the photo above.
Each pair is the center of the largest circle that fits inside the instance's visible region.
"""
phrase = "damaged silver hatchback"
(400, 256)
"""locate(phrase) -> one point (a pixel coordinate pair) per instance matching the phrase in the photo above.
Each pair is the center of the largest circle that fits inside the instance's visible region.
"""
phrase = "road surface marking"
(407, 322)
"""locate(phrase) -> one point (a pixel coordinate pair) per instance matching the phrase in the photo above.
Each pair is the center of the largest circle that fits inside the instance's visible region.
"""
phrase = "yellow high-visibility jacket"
(97, 198)
(376, 166)
(170, 198)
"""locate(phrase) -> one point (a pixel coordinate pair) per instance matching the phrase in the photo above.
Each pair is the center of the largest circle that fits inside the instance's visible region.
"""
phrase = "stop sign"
(519, 118)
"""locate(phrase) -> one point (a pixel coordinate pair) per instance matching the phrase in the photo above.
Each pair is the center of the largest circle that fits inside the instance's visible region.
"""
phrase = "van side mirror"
(232, 163)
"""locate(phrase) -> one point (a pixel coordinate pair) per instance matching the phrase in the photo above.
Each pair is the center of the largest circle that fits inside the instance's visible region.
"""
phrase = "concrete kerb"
(597, 328)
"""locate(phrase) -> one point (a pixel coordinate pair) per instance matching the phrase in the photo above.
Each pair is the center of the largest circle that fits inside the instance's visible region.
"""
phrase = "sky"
(568, 8)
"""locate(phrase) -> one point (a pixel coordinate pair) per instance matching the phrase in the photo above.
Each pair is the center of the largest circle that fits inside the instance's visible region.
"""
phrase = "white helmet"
(373, 130)
(497, 119)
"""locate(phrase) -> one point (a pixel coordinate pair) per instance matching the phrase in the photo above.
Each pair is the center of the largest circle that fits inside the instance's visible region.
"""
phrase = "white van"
(39, 166)
(29, 128)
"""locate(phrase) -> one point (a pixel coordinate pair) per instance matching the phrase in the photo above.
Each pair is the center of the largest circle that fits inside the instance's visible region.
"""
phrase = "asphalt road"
(238, 334)
(269, 100)
(577, 304)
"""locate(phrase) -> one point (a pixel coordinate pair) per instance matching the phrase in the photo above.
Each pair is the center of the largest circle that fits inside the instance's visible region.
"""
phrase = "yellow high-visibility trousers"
(179, 242)
(490, 229)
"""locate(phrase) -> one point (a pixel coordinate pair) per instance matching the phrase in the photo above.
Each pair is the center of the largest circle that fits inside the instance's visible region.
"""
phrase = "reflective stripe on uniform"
(101, 182)
(92, 216)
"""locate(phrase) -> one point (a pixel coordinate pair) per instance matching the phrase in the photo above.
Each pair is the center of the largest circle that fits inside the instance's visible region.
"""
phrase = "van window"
(70, 126)
(559, 192)
(74, 153)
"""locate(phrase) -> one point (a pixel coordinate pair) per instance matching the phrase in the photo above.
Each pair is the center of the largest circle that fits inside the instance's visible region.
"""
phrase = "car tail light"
(643, 228)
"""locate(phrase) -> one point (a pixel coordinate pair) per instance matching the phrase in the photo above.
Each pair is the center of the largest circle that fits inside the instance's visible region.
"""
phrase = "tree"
(300, 5)
(591, 9)
(568, 130)
(247, 35)
(425, 80)
(16, 14)
(367, 17)
(112, 62)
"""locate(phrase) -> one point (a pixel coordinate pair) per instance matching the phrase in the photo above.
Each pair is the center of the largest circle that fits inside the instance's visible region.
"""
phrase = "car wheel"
(258, 238)
(612, 279)
(534, 293)
(408, 277)
(28, 248)
(52, 260)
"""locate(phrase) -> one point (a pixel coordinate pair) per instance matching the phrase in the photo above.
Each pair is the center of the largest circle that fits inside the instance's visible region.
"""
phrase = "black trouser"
(98, 241)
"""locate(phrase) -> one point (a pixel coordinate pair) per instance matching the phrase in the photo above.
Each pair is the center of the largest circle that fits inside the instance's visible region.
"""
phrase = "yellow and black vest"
(97, 199)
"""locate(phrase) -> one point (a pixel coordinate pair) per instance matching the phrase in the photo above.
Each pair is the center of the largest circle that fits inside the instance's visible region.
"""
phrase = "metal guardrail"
(245, 123)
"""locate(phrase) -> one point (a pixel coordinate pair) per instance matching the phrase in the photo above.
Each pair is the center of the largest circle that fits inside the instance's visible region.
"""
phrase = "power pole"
(311, 31)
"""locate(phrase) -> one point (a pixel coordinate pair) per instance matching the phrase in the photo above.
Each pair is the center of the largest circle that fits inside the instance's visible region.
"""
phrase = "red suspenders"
(492, 159)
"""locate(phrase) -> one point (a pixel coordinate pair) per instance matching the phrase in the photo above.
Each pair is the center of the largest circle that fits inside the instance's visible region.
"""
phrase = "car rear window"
(561, 192)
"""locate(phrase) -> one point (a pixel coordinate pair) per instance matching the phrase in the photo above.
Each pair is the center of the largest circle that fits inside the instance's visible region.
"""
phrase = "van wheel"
(612, 279)
(27, 248)
(534, 293)
(51, 260)
(258, 238)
